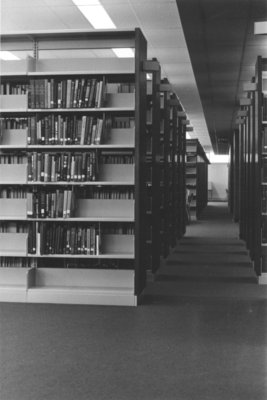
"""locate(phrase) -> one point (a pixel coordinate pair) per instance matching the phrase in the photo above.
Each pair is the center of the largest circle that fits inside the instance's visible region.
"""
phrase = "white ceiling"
(158, 19)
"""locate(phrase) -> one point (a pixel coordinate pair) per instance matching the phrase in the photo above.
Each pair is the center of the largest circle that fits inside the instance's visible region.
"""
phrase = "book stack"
(70, 239)
(66, 167)
(7, 88)
(65, 130)
(67, 93)
(50, 204)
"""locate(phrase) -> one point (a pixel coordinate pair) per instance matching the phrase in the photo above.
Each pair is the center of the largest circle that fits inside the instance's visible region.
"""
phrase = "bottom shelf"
(68, 286)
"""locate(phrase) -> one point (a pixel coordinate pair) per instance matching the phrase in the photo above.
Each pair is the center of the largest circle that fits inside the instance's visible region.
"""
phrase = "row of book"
(53, 238)
(7, 88)
(13, 227)
(67, 130)
(10, 192)
(106, 193)
(57, 204)
(15, 262)
(13, 159)
(67, 93)
(51, 167)
(61, 239)
(14, 123)
(106, 158)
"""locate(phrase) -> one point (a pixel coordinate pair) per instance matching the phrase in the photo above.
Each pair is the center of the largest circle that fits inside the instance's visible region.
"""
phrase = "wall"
(218, 177)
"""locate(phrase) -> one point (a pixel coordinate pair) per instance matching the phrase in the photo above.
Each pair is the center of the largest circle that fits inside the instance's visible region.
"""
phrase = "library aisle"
(200, 334)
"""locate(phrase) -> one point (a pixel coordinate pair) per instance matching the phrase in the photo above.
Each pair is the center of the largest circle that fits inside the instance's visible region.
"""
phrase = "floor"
(201, 332)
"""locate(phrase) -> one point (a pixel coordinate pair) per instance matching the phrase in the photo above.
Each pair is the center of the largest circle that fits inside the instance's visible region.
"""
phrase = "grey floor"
(201, 333)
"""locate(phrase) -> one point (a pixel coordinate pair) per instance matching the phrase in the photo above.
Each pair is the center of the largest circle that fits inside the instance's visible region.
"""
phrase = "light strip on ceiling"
(95, 13)
(124, 52)
(218, 158)
(7, 55)
(260, 28)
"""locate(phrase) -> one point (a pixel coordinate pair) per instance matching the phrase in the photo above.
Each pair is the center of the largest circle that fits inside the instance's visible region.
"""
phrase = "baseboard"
(263, 279)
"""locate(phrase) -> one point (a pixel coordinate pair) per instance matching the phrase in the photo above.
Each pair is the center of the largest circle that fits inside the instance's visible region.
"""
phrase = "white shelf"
(84, 219)
(68, 286)
(121, 256)
(75, 110)
(69, 183)
(96, 296)
(78, 147)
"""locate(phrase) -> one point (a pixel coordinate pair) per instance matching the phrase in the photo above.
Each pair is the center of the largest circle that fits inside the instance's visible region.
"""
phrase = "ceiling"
(223, 51)
(206, 49)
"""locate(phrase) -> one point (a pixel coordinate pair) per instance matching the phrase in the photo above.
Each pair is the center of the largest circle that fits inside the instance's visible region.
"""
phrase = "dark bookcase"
(249, 166)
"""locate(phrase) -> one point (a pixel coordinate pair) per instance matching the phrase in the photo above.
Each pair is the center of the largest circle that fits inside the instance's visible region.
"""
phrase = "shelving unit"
(165, 183)
(171, 169)
(95, 253)
(249, 186)
(196, 177)
(152, 165)
(177, 170)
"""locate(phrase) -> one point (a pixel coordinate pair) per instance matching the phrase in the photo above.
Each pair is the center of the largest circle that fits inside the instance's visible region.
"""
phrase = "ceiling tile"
(166, 55)
(39, 18)
(122, 15)
(165, 37)
(156, 15)
(71, 17)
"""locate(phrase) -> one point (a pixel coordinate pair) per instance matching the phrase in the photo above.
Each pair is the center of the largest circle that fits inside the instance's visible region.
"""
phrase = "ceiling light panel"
(124, 52)
(95, 13)
(7, 55)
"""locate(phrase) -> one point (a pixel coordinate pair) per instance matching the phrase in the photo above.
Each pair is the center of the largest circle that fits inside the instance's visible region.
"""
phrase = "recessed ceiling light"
(95, 13)
(124, 52)
(7, 55)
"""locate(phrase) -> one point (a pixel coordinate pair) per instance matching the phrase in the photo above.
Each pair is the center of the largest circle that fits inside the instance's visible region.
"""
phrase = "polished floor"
(201, 332)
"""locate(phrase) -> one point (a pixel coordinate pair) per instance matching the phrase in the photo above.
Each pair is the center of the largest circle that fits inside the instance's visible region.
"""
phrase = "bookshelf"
(165, 182)
(177, 170)
(249, 185)
(152, 165)
(72, 169)
(171, 168)
(196, 176)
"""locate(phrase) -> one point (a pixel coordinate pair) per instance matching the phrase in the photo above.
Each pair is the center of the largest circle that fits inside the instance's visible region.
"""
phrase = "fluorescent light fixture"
(95, 13)
(7, 55)
(218, 158)
(124, 52)
(260, 28)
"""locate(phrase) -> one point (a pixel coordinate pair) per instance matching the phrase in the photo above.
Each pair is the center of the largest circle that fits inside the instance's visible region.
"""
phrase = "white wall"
(218, 176)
